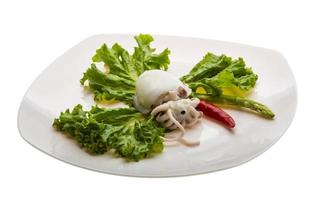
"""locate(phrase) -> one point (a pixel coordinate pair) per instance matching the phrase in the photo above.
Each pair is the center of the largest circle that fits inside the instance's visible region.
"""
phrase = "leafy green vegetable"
(217, 74)
(109, 86)
(144, 57)
(123, 69)
(126, 131)
(209, 66)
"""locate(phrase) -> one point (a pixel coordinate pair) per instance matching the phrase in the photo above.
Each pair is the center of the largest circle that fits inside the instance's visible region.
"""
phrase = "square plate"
(57, 88)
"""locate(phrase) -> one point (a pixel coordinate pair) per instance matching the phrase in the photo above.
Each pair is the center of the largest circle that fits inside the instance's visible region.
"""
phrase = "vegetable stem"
(239, 101)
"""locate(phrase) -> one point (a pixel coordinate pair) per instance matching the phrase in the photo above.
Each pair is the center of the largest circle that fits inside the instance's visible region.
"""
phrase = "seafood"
(167, 98)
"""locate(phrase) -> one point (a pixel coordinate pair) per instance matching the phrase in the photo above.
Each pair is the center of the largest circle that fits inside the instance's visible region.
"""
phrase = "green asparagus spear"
(239, 101)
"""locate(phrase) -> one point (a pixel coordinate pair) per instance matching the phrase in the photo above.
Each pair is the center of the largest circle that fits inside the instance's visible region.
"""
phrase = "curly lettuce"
(127, 132)
(123, 69)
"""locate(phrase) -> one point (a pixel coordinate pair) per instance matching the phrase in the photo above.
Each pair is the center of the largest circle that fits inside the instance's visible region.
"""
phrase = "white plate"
(58, 88)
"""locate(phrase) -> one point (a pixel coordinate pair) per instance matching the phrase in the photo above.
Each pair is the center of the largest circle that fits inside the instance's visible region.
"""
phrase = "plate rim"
(162, 176)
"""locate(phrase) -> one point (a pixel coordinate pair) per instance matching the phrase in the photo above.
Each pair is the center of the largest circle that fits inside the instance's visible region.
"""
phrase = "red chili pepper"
(216, 113)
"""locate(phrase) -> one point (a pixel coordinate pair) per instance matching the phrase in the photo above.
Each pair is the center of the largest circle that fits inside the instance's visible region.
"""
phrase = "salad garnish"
(159, 107)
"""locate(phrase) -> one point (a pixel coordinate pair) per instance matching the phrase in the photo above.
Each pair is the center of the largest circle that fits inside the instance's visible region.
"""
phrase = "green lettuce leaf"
(209, 66)
(123, 69)
(145, 58)
(126, 131)
(109, 86)
(215, 73)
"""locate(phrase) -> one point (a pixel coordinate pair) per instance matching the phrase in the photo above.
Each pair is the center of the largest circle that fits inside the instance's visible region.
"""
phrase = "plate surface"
(58, 88)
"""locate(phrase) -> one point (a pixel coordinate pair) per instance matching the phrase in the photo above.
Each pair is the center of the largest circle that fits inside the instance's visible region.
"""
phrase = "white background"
(34, 33)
